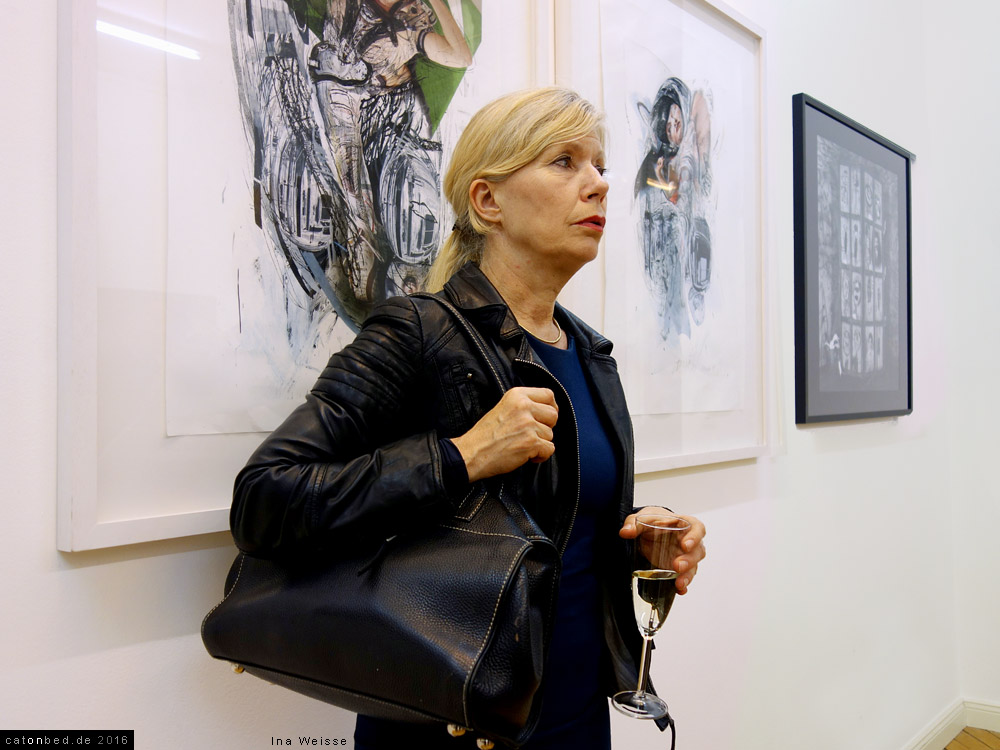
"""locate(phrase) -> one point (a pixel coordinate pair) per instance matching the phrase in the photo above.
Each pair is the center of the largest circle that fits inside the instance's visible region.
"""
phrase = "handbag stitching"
(489, 631)
(243, 557)
(482, 498)
(481, 533)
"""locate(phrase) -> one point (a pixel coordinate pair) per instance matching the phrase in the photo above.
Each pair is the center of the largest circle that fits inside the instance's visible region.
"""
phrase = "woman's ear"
(483, 200)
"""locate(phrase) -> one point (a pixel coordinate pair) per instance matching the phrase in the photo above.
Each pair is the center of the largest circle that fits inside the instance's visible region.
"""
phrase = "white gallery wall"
(964, 237)
(850, 598)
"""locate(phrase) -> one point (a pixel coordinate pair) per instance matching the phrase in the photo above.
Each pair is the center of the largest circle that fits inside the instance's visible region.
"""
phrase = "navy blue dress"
(574, 707)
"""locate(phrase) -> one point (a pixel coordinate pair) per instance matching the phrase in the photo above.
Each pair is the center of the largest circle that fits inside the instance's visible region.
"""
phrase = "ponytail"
(459, 248)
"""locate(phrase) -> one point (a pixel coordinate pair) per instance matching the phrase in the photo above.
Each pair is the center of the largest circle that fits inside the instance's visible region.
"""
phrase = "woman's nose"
(597, 185)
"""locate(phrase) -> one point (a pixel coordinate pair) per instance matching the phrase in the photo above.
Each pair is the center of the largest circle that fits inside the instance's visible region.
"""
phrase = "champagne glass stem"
(647, 646)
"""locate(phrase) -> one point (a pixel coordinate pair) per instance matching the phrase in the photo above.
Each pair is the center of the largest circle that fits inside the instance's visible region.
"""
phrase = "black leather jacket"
(360, 459)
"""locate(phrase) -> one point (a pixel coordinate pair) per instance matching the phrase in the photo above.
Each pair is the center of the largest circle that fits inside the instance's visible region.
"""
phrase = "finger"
(629, 529)
(689, 560)
(686, 563)
(693, 537)
(687, 568)
(537, 403)
(544, 413)
(685, 577)
(684, 581)
(697, 527)
(692, 558)
(538, 395)
(544, 432)
(691, 542)
(682, 585)
(544, 452)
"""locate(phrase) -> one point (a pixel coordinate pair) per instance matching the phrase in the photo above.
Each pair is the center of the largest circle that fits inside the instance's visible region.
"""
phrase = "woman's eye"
(601, 169)
(563, 161)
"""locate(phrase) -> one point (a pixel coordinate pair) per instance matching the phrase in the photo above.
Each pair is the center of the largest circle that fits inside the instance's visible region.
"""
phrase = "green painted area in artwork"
(439, 83)
(309, 13)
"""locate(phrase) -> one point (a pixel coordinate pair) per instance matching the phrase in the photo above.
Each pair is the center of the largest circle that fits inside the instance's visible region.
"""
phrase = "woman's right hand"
(515, 431)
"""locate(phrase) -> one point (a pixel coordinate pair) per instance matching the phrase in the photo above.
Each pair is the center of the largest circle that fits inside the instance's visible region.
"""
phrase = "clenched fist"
(515, 431)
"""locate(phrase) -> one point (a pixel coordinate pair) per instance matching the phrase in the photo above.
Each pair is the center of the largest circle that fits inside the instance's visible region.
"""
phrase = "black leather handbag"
(449, 622)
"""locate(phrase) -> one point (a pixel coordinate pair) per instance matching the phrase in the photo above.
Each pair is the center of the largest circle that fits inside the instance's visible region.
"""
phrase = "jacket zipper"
(576, 430)
(614, 609)
(576, 505)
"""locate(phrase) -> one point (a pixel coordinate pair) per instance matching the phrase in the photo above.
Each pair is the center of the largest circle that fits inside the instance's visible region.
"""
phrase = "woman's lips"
(592, 222)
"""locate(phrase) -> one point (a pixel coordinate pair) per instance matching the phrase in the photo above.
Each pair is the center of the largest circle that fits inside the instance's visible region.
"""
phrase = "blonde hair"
(505, 135)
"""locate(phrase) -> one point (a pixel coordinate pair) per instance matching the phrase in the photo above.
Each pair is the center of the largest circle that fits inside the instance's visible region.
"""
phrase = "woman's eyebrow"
(574, 146)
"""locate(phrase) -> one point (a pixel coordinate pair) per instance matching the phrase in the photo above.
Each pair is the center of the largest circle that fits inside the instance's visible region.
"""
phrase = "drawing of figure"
(845, 189)
(877, 209)
(672, 187)
(868, 246)
(878, 299)
(845, 240)
(877, 250)
(857, 349)
(845, 293)
(869, 298)
(845, 348)
(857, 296)
(869, 196)
(346, 167)
(869, 348)
(855, 190)
(856, 243)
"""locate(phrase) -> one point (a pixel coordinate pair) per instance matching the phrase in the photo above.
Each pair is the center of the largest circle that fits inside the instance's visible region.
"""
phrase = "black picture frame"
(853, 303)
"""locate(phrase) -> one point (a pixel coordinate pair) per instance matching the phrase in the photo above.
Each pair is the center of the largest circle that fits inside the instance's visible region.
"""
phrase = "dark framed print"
(852, 269)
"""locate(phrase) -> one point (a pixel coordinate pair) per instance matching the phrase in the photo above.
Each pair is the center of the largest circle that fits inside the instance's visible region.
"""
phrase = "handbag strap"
(476, 337)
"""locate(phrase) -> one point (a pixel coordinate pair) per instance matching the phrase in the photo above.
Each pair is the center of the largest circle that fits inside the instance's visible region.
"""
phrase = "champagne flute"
(654, 581)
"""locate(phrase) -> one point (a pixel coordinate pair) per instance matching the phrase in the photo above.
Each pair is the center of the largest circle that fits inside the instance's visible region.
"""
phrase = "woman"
(403, 419)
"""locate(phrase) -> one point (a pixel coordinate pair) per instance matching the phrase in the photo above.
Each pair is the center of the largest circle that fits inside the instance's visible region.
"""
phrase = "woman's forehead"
(589, 143)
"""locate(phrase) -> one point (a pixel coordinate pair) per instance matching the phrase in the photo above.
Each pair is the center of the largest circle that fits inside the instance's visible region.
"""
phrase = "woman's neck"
(529, 292)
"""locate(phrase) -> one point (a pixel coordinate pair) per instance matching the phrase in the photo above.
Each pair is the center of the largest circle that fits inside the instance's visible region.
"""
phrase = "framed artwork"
(319, 171)
(202, 150)
(853, 317)
(685, 235)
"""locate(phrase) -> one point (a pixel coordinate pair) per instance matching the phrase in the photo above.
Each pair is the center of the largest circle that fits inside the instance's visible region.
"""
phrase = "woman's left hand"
(693, 543)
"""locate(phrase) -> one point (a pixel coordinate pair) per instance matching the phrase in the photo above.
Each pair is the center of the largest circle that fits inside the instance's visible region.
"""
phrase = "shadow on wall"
(106, 599)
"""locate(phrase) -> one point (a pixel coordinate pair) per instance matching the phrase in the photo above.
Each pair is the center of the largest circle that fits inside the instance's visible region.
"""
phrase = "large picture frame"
(853, 307)
(121, 478)
(683, 87)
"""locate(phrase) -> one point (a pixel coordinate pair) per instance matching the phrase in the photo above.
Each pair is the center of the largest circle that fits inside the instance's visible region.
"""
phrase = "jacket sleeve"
(347, 463)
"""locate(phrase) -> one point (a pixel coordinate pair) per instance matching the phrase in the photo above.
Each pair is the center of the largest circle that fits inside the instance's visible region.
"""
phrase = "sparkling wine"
(653, 592)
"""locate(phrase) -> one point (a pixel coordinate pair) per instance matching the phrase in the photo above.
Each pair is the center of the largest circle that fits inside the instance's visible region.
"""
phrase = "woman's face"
(554, 207)
(413, 14)
(675, 125)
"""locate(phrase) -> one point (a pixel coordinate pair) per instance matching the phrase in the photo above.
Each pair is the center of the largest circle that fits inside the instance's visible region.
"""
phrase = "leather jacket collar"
(472, 292)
